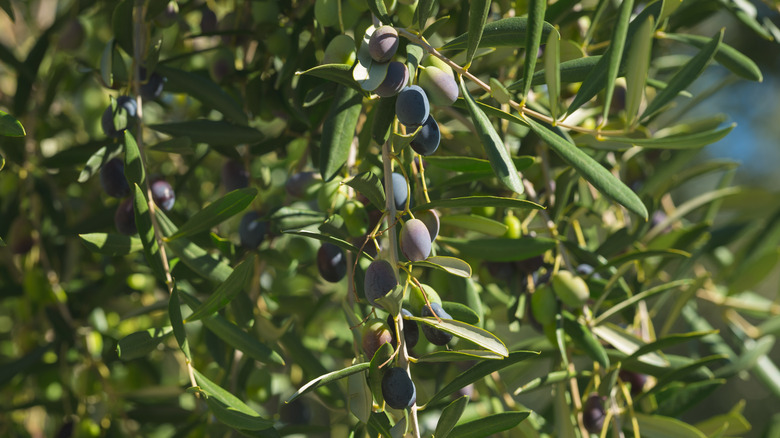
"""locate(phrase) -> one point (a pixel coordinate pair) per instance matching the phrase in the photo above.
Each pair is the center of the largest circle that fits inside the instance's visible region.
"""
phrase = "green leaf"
(488, 425)
(619, 307)
(359, 397)
(458, 356)
(176, 145)
(685, 141)
(338, 73)
(656, 426)
(573, 70)
(338, 132)
(751, 274)
(370, 186)
(449, 416)
(475, 165)
(552, 72)
(235, 336)
(506, 32)
(228, 408)
(548, 379)
(177, 323)
(500, 161)
(384, 115)
(685, 76)
(96, 161)
(676, 400)
(139, 344)
(667, 342)
(195, 257)
(638, 62)
(533, 39)
(134, 166)
(6, 5)
(614, 53)
(479, 201)
(478, 13)
(378, 8)
(143, 222)
(500, 250)
(602, 179)
(748, 358)
(460, 312)
(684, 372)
(690, 205)
(217, 212)
(627, 343)
(368, 73)
(106, 63)
(2, 243)
(226, 291)
(584, 339)
(327, 378)
(287, 218)
(479, 336)
(111, 244)
(122, 25)
(473, 222)
(726, 56)
(479, 371)
(10, 127)
(203, 89)
(343, 244)
(212, 132)
(452, 265)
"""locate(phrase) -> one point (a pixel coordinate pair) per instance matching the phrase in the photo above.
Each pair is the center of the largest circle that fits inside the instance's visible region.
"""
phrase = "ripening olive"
(434, 335)
(439, 85)
(380, 279)
(398, 389)
(375, 333)
(412, 107)
(415, 240)
(112, 178)
(331, 262)
(383, 44)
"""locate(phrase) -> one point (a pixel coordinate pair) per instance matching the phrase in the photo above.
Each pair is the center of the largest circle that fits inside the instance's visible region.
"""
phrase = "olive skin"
(383, 44)
(396, 79)
(375, 333)
(412, 107)
(163, 194)
(428, 138)
(252, 230)
(593, 413)
(434, 335)
(380, 279)
(415, 240)
(331, 262)
(398, 390)
(411, 330)
(112, 178)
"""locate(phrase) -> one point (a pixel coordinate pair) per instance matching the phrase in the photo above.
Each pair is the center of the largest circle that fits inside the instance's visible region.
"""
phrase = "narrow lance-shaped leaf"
(134, 167)
(683, 141)
(487, 426)
(111, 244)
(584, 339)
(638, 64)
(479, 371)
(143, 222)
(506, 32)
(500, 250)
(685, 76)
(615, 51)
(228, 408)
(370, 186)
(533, 39)
(478, 13)
(479, 336)
(10, 127)
(450, 416)
(217, 212)
(552, 71)
(479, 201)
(726, 56)
(378, 8)
(339, 131)
(327, 378)
(604, 181)
(227, 290)
(499, 158)
(106, 63)
(212, 132)
(139, 344)
(174, 314)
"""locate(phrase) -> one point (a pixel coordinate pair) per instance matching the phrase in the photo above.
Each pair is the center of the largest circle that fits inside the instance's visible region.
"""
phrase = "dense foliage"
(376, 218)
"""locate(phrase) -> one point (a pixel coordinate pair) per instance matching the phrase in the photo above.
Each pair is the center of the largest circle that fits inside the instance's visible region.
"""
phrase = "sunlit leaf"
(226, 291)
(479, 201)
(139, 344)
(228, 408)
(217, 212)
(656, 426)
(614, 54)
(638, 61)
(478, 13)
(449, 416)
(111, 244)
(506, 32)
(474, 222)
(338, 132)
(452, 265)
(10, 127)
(327, 378)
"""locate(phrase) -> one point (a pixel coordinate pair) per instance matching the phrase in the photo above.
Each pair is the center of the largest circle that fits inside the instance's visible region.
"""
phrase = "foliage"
(554, 172)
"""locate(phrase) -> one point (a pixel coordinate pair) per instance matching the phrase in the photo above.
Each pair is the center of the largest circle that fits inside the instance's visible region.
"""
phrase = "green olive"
(572, 291)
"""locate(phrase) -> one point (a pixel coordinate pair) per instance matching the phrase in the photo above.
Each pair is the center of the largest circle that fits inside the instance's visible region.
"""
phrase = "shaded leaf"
(370, 186)
(479, 201)
(338, 132)
(638, 62)
(134, 166)
(228, 408)
(533, 39)
(488, 425)
(460, 312)
(684, 77)
(666, 342)
(685, 141)
(378, 8)
(500, 250)
(614, 53)
(343, 244)
(111, 244)
(143, 222)
(474, 222)
(327, 378)
(449, 416)
(452, 265)
(177, 323)
(584, 339)
(139, 344)
(479, 371)
(176, 145)
(506, 32)
(478, 13)
(602, 179)
(10, 127)
(339, 73)
(627, 343)
(656, 426)
(552, 72)
(204, 90)
(217, 212)
(498, 156)
(674, 400)
(212, 132)
(476, 165)
(458, 356)
(226, 291)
